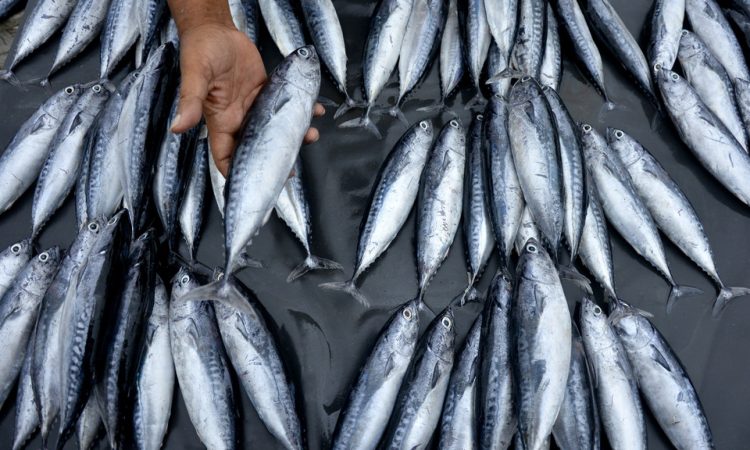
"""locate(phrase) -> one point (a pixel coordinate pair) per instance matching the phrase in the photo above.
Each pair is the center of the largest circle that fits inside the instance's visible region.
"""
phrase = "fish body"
(421, 41)
(328, 37)
(191, 210)
(666, 28)
(551, 72)
(84, 24)
(27, 415)
(151, 15)
(90, 427)
(528, 48)
(477, 39)
(595, 247)
(451, 52)
(282, 23)
(119, 34)
(583, 43)
(502, 19)
(526, 231)
(218, 182)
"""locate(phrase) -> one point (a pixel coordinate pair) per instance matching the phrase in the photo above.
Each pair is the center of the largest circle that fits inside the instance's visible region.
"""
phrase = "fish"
(201, 366)
(24, 157)
(89, 428)
(382, 49)
(79, 193)
(497, 63)
(452, 64)
(662, 380)
(80, 324)
(83, 26)
(440, 202)
(46, 380)
(502, 19)
(104, 191)
(142, 123)
(151, 15)
(218, 182)
(118, 35)
(155, 378)
(496, 402)
(740, 23)
(666, 28)
(283, 25)
(615, 383)
(417, 411)
(577, 425)
(191, 210)
(19, 307)
(170, 172)
(708, 23)
(27, 416)
(478, 232)
(528, 47)
(371, 400)
(533, 144)
(293, 208)
(595, 248)
(540, 342)
(526, 231)
(40, 23)
(711, 82)
(255, 356)
(124, 337)
(678, 221)
(477, 40)
(328, 37)
(608, 27)
(420, 44)
(742, 97)
(550, 73)
(506, 197)
(458, 421)
(571, 165)
(12, 261)
(584, 46)
(63, 163)
(393, 195)
(705, 135)
(625, 209)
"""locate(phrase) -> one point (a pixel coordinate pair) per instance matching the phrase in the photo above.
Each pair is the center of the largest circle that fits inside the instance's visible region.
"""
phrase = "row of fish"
(523, 371)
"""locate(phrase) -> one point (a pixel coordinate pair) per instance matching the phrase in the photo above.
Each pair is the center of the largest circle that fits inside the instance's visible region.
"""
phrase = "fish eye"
(113, 220)
(586, 128)
(619, 134)
(498, 96)
(303, 52)
(657, 66)
(97, 88)
(69, 90)
(525, 79)
(447, 323)
(219, 276)
(480, 116)
(454, 123)
(424, 124)
(408, 314)
(16, 249)
(675, 76)
(43, 257)
(184, 279)
(93, 226)
(684, 32)
(532, 248)
(597, 310)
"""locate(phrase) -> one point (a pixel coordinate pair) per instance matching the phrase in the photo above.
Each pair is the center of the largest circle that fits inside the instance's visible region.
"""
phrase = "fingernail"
(176, 121)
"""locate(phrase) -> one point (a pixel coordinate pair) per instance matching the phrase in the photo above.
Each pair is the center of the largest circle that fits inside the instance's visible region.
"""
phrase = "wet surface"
(325, 337)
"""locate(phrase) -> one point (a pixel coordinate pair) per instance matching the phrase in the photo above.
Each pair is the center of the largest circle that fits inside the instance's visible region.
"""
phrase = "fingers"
(319, 110)
(312, 136)
(193, 92)
(222, 147)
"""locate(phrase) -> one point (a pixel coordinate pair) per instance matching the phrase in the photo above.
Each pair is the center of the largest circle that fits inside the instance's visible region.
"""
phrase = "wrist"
(190, 15)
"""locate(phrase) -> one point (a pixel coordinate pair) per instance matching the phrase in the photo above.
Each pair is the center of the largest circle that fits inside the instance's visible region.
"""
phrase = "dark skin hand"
(222, 73)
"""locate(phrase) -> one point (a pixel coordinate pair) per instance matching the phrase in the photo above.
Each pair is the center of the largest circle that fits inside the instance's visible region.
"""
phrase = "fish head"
(536, 265)
(302, 69)
(405, 329)
(501, 289)
(627, 149)
(690, 46)
(675, 90)
(442, 335)
(18, 253)
(183, 282)
(595, 327)
(634, 330)
(593, 143)
(454, 132)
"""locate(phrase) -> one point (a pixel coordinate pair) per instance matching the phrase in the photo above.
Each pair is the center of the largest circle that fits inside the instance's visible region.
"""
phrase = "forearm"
(189, 14)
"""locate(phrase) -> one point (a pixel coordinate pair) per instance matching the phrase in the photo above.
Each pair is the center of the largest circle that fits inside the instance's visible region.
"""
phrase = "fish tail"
(396, 112)
(344, 107)
(312, 263)
(363, 122)
(435, 107)
(503, 75)
(350, 287)
(477, 100)
(679, 291)
(245, 260)
(222, 291)
(10, 78)
(325, 101)
(726, 294)
(572, 274)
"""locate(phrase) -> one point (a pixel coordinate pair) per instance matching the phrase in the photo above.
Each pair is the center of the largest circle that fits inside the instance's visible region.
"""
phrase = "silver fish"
(616, 386)
(150, 17)
(63, 164)
(496, 402)
(506, 196)
(551, 72)
(393, 197)
(577, 425)
(670, 208)
(480, 240)
(497, 63)
(218, 182)
(477, 39)
(458, 421)
(533, 142)
(440, 202)
(156, 378)
(84, 24)
(451, 53)
(742, 97)
(705, 135)
(119, 34)
(663, 381)
(502, 19)
(708, 22)
(666, 27)
(526, 231)
(12, 261)
(191, 210)
(625, 209)
(282, 23)
(201, 366)
(27, 416)
(595, 247)
(417, 411)
(292, 207)
(712, 83)
(370, 404)
(256, 359)
(19, 307)
(24, 157)
(571, 166)
(528, 48)
(90, 426)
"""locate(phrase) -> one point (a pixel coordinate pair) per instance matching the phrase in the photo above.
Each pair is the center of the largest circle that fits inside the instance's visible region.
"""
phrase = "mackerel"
(502, 19)
(27, 416)
(551, 72)
(497, 63)
(477, 39)
(666, 27)
(85, 23)
(191, 209)
(528, 48)
(452, 64)
(218, 182)
(119, 34)
(595, 247)
(742, 97)
(90, 428)
(282, 23)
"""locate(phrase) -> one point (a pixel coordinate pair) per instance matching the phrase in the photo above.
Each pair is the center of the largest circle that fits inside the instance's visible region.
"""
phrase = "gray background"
(325, 337)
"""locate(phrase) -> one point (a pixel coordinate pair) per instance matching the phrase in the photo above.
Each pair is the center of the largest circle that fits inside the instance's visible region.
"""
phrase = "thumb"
(193, 92)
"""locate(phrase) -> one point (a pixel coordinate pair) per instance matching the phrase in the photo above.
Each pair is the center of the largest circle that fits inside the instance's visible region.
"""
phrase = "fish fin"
(363, 122)
(679, 291)
(192, 332)
(344, 107)
(325, 101)
(423, 306)
(222, 291)
(350, 288)
(726, 295)
(658, 358)
(478, 100)
(313, 263)
(506, 73)
(246, 261)
(572, 274)
(397, 113)
(435, 107)
(622, 309)
(607, 107)
(435, 377)
(389, 365)
(11, 78)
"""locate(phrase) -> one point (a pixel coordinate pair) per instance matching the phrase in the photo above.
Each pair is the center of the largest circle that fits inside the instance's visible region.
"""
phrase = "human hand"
(222, 73)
